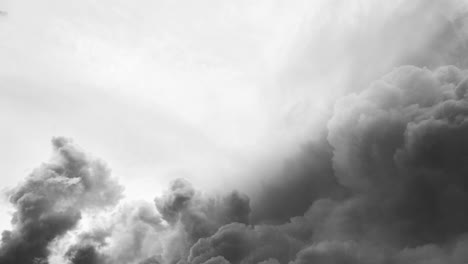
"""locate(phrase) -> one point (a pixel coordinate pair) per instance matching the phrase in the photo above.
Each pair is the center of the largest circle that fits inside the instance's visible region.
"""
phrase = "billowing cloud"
(402, 142)
(193, 215)
(49, 202)
(132, 232)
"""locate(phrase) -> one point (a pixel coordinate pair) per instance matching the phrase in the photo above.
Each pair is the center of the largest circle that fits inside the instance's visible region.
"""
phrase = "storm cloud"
(384, 180)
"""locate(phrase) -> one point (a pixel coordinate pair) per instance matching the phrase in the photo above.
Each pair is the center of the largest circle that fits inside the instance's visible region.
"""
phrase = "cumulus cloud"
(49, 202)
(193, 215)
(402, 141)
(142, 232)
(239, 243)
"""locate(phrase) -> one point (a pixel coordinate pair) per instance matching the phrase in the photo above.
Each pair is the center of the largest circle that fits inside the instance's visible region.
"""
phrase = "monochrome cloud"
(384, 180)
(50, 201)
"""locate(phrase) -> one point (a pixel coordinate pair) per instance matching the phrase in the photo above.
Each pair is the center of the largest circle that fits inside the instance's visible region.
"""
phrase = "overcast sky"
(219, 92)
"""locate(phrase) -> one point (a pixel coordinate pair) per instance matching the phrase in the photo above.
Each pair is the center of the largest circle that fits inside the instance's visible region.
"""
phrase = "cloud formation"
(130, 233)
(193, 215)
(402, 142)
(50, 201)
(384, 183)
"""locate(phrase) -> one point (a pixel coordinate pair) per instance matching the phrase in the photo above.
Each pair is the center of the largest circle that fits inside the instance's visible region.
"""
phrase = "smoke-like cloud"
(193, 215)
(142, 232)
(50, 201)
(132, 232)
(402, 142)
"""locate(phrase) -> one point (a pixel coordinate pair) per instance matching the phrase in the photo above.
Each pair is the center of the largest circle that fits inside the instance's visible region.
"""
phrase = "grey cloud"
(49, 202)
(127, 235)
(85, 254)
(194, 215)
(402, 140)
(308, 176)
(239, 243)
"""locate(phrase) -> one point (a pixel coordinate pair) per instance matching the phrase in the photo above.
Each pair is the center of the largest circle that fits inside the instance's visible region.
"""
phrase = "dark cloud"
(84, 254)
(332, 252)
(402, 141)
(50, 201)
(239, 243)
(194, 215)
(308, 176)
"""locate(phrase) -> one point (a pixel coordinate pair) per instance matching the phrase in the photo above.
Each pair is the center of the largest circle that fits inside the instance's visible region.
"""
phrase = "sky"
(192, 122)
